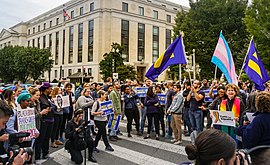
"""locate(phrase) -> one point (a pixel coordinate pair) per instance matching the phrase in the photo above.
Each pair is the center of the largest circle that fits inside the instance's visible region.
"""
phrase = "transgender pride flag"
(223, 59)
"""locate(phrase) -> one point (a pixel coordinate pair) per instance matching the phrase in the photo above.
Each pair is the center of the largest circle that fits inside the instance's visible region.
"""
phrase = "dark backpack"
(78, 92)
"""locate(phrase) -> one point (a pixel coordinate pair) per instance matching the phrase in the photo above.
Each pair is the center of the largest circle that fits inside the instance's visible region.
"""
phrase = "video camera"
(13, 141)
(82, 127)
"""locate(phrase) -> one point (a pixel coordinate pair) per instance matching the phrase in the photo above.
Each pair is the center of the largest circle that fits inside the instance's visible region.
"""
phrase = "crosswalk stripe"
(123, 124)
(63, 157)
(135, 157)
(156, 144)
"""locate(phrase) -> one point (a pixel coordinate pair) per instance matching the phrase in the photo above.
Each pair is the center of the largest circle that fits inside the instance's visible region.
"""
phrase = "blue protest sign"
(107, 107)
(110, 120)
(117, 122)
(162, 98)
(141, 91)
(207, 98)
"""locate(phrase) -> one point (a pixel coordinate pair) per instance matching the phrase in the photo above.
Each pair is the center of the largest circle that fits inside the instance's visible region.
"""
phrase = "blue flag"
(254, 67)
(175, 54)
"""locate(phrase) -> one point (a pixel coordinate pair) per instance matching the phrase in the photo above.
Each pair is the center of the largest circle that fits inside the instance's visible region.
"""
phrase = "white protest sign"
(66, 102)
(249, 116)
(26, 121)
(223, 118)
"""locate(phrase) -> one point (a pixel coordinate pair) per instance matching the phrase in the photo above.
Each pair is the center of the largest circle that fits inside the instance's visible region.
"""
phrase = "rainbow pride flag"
(223, 59)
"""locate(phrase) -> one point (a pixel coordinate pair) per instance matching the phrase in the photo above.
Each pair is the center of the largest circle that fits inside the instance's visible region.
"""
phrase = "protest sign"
(26, 121)
(110, 120)
(162, 98)
(117, 122)
(223, 118)
(141, 91)
(207, 98)
(107, 107)
(250, 116)
(65, 102)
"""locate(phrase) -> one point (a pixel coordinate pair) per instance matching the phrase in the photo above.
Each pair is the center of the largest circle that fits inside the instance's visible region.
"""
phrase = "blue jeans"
(187, 120)
(196, 118)
(169, 119)
(143, 110)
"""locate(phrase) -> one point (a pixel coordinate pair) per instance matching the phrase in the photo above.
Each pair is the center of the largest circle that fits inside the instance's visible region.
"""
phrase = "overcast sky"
(15, 11)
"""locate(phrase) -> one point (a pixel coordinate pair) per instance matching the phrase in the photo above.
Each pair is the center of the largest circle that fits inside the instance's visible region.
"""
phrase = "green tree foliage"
(126, 72)
(202, 25)
(257, 20)
(114, 58)
(22, 63)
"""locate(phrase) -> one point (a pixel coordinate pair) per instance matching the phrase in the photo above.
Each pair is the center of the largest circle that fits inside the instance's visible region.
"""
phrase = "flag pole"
(245, 59)
(180, 74)
(215, 73)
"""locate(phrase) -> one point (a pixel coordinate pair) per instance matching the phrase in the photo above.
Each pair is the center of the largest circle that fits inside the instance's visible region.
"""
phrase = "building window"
(163, 5)
(50, 24)
(69, 72)
(155, 43)
(125, 40)
(62, 73)
(79, 70)
(91, 6)
(80, 42)
(44, 42)
(90, 40)
(34, 29)
(141, 11)
(57, 21)
(72, 14)
(168, 38)
(155, 14)
(44, 26)
(56, 49)
(81, 11)
(27, 44)
(55, 73)
(50, 42)
(71, 31)
(28, 31)
(38, 28)
(124, 7)
(141, 41)
(90, 71)
(64, 42)
(38, 42)
(169, 18)
(33, 42)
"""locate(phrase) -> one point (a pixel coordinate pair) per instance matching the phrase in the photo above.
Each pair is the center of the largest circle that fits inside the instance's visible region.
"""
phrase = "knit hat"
(23, 97)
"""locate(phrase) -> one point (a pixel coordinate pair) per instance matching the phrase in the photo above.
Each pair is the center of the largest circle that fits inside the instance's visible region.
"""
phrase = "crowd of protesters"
(184, 105)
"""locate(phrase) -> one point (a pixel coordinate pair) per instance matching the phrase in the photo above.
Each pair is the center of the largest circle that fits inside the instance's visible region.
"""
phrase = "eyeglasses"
(27, 101)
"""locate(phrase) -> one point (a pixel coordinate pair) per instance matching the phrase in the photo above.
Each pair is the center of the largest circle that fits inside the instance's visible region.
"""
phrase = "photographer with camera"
(14, 159)
(78, 135)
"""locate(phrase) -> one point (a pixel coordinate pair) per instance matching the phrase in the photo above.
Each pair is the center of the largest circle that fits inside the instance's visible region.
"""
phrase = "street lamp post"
(50, 59)
(194, 65)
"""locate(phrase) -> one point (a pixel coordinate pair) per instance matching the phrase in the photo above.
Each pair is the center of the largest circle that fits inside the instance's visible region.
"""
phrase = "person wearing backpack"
(100, 121)
(176, 110)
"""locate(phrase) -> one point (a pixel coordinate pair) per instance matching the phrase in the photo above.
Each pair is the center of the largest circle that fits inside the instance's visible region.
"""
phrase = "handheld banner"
(223, 118)
(110, 121)
(141, 91)
(107, 107)
(26, 121)
(117, 122)
(207, 98)
(65, 102)
(250, 116)
(162, 98)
